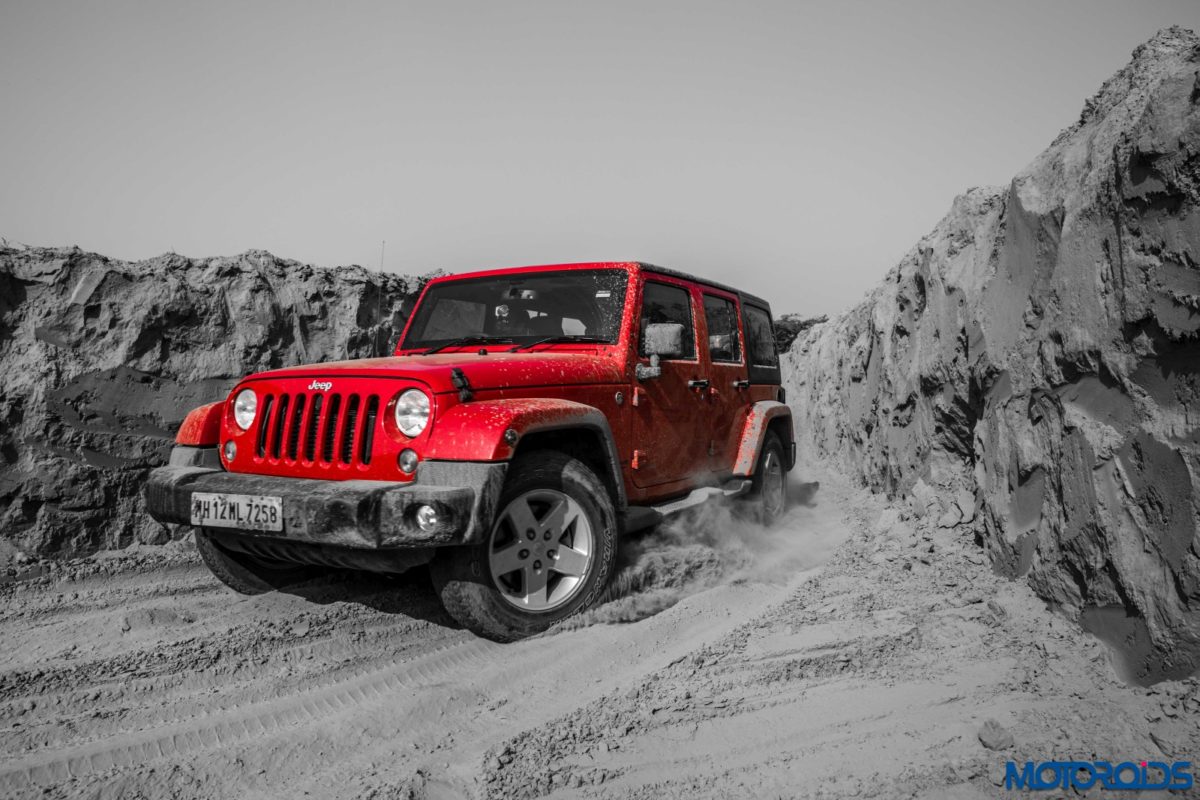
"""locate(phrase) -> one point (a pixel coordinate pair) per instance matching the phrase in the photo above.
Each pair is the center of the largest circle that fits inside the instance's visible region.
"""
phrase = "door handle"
(701, 383)
(742, 384)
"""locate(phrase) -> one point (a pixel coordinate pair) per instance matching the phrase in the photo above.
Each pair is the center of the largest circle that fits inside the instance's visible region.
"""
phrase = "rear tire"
(766, 501)
(549, 554)
(245, 573)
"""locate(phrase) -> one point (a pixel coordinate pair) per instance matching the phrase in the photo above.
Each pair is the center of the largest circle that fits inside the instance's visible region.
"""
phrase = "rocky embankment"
(1031, 370)
(103, 358)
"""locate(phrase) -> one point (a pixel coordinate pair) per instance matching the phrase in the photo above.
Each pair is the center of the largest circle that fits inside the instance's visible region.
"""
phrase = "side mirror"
(660, 339)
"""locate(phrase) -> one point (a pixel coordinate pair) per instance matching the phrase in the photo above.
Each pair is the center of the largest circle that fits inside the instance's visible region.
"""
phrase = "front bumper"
(374, 515)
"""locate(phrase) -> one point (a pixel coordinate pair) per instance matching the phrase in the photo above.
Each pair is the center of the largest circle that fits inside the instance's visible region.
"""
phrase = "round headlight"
(412, 412)
(245, 406)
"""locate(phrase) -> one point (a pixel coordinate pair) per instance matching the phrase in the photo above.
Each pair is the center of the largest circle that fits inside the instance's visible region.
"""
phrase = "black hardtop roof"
(674, 273)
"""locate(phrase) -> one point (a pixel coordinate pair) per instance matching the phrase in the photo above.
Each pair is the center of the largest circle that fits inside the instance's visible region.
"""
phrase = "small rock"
(887, 518)
(950, 518)
(995, 736)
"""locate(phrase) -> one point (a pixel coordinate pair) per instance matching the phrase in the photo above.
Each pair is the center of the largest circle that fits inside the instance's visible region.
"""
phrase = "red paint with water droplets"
(702, 420)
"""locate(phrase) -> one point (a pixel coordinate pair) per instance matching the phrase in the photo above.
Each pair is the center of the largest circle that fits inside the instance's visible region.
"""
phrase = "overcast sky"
(794, 149)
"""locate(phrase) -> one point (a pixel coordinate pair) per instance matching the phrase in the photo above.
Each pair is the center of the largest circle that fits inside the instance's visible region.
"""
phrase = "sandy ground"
(854, 651)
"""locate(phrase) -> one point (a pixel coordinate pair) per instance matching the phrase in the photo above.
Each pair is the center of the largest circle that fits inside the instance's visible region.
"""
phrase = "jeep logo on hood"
(320, 386)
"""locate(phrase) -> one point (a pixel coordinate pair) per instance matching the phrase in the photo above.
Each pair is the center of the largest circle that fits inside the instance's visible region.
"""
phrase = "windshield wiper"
(581, 339)
(463, 341)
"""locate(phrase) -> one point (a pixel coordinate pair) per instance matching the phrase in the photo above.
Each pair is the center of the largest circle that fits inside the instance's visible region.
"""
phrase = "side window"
(664, 303)
(760, 339)
(721, 316)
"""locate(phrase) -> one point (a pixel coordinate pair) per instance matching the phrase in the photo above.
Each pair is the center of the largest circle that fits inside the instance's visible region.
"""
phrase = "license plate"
(252, 512)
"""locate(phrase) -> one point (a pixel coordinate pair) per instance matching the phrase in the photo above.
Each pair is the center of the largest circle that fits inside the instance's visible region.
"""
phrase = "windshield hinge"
(462, 384)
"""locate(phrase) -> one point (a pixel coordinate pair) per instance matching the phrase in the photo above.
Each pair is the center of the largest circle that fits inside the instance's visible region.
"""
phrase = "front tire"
(245, 573)
(549, 554)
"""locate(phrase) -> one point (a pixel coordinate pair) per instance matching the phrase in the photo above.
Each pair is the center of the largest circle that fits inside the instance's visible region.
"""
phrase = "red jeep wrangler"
(528, 419)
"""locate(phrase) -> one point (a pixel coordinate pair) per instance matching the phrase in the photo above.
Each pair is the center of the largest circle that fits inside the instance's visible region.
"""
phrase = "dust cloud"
(710, 545)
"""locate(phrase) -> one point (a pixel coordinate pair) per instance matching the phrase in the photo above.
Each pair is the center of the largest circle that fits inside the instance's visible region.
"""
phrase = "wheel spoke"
(555, 520)
(535, 586)
(570, 561)
(522, 518)
(507, 559)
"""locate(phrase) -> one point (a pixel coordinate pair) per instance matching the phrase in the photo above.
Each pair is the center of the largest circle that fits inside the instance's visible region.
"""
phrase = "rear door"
(728, 390)
(669, 416)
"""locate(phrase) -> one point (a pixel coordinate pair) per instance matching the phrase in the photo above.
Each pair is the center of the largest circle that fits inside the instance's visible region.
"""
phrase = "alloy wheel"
(541, 550)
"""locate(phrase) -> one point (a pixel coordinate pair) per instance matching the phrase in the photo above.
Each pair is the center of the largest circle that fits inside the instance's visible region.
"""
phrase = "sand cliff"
(103, 359)
(1030, 371)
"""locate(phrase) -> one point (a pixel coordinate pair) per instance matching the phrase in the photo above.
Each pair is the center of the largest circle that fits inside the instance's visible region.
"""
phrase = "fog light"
(407, 461)
(230, 450)
(427, 518)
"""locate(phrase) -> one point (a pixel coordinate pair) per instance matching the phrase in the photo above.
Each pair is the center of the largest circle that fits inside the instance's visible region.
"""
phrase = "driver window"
(662, 302)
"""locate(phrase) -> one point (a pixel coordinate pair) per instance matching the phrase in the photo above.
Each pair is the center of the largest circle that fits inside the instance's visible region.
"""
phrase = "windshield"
(522, 308)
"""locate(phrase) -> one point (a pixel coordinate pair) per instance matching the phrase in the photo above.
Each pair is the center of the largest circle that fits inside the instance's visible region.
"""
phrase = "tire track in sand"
(228, 727)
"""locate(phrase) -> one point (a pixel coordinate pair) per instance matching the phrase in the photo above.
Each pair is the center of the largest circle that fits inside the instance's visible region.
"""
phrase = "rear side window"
(723, 340)
(665, 303)
(760, 345)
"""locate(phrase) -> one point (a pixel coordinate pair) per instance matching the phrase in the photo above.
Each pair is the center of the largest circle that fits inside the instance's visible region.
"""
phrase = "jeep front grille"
(317, 428)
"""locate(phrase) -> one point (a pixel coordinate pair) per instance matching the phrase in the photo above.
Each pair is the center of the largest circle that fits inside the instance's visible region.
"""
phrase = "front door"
(670, 416)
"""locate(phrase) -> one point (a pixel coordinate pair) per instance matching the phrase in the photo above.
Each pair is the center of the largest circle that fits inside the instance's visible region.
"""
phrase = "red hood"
(493, 371)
